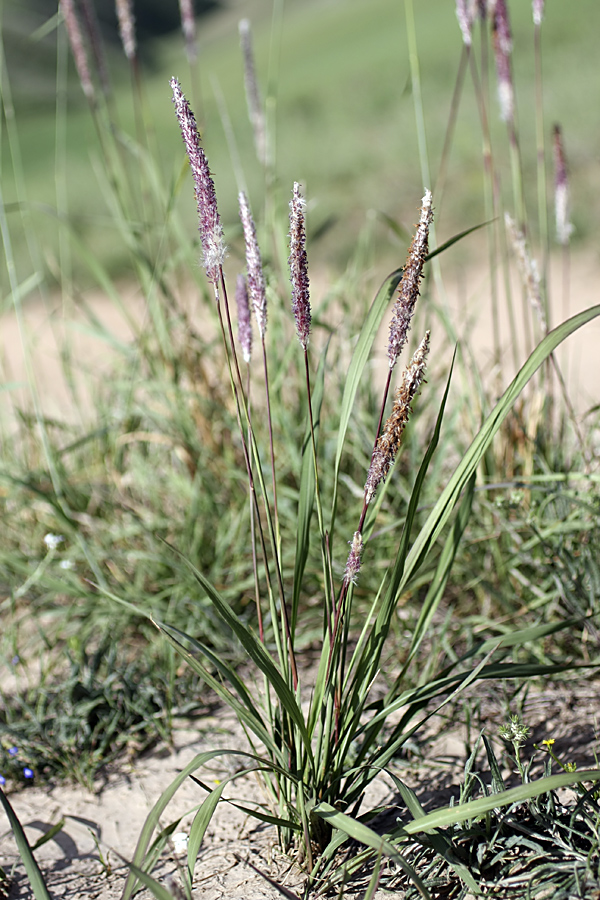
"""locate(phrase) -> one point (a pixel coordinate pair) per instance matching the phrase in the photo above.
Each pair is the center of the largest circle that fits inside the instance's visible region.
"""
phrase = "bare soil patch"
(114, 815)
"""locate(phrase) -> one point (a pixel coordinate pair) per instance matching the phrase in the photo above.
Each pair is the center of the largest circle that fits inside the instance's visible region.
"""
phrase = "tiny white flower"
(180, 842)
(53, 540)
(65, 564)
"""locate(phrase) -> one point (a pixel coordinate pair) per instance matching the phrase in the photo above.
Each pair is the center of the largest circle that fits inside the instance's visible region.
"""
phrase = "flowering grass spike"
(299, 267)
(390, 439)
(256, 280)
(244, 323)
(409, 286)
(209, 222)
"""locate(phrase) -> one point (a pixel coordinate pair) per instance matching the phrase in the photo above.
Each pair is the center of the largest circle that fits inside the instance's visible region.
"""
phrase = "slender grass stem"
(271, 448)
(440, 182)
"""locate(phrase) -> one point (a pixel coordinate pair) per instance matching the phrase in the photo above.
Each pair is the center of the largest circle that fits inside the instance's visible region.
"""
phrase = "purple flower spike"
(126, 27)
(408, 291)
(67, 8)
(256, 279)
(244, 323)
(538, 11)
(464, 14)
(27, 772)
(564, 228)
(502, 52)
(299, 268)
(209, 222)
(188, 26)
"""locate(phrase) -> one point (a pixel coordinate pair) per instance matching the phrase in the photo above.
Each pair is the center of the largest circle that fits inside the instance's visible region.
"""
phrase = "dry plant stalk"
(528, 269)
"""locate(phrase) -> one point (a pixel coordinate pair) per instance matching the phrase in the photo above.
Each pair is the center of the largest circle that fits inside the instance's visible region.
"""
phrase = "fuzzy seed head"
(528, 269)
(209, 222)
(244, 322)
(127, 27)
(408, 291)
(389, 441)
(354, 559)
(90, 21)
(464, 14)
(502, 52)
(564, 227)
(256, 280)
(188, 26)
(256, 112)
(67, 8)
(299, 268)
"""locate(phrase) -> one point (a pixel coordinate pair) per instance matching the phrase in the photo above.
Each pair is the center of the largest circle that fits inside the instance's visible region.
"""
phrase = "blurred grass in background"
(337, 80)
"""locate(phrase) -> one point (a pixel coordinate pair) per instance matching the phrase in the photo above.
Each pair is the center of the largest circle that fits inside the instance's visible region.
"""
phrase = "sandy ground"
(30, 349)
(114, 815)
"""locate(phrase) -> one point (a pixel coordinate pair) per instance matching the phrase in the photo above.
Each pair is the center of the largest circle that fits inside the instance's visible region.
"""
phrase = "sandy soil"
(234, 843)
(32, 347)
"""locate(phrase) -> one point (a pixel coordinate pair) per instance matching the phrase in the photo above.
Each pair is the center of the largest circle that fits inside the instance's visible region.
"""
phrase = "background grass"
(339, 82)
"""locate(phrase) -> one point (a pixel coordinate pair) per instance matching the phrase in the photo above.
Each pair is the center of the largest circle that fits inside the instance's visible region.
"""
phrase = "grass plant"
(217, 477)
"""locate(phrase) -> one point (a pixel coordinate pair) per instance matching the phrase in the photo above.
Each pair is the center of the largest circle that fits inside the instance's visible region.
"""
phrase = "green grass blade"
(440, 843)
(155, 887)
(465, 469)
(248, 715)
(442, 573)
(36, 879)
(306, 493)
(359, 832)
(201, 823)
(374, 646)
(474, 809)
(256, 652)
(157, 810)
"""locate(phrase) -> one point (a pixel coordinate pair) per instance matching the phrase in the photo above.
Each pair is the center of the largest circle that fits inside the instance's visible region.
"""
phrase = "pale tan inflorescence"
(408, 291)
(354, 559)
(256, 281)
(67, 8)
(390, 439)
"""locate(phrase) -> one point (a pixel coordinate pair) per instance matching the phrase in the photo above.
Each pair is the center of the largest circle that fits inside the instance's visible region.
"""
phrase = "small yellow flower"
(547, 744)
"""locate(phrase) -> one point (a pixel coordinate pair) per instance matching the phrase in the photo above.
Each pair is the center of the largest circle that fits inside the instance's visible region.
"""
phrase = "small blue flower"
(13, 751)
(15, 661)
(27, 772)
(2, 780)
